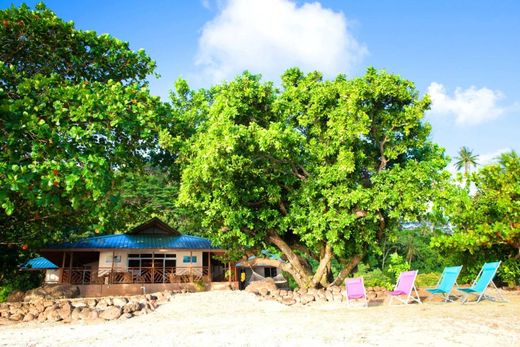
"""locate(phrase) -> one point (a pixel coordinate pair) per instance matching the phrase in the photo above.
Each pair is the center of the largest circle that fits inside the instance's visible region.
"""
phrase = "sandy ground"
(240, 319)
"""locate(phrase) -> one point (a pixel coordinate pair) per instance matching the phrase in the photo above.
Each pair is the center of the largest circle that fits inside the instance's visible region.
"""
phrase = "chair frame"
(483, 294)
(447, 295)
(365, 303)
(409, 295)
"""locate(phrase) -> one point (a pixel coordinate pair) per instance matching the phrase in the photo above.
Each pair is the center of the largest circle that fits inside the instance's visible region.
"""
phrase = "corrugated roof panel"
(138, 242)
(38, 263)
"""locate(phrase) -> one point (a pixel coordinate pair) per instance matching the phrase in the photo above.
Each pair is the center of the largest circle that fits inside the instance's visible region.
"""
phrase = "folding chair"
(482, 282)
(446, 282)
(355, 290)
(405, 285)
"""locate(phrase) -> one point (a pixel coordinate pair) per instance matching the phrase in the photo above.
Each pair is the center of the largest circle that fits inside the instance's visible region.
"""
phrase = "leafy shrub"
(374, 278)
(427, 279)
(509, 272)
(397, 265)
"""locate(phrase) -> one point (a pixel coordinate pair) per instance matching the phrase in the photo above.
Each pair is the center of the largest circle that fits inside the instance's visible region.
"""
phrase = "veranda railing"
(108, 275)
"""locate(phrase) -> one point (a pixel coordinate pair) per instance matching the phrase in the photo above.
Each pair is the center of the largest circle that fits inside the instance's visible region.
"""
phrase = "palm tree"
(466, 159)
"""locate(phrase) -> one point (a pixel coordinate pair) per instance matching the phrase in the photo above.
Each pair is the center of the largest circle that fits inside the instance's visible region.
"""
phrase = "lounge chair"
(482, 282)
(405, 285)
(446, 282)
(355, 290)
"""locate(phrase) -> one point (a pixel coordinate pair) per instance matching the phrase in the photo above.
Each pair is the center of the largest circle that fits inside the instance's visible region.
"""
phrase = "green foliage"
(486, 222)
(427, 279)
(397, 265)
(320, 164)
(375, 277)
(76, 116)
(11, 278)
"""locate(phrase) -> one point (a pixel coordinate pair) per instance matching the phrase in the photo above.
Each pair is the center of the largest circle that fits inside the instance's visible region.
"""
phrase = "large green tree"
(319, 170)
(76, 114)
(486, 222)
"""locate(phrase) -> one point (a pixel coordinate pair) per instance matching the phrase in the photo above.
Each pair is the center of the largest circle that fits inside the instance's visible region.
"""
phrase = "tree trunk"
(302, 275)
(324, 262)
(354, 261)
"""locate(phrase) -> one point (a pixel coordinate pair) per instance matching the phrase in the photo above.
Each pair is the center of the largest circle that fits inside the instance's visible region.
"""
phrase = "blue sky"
(466, 54)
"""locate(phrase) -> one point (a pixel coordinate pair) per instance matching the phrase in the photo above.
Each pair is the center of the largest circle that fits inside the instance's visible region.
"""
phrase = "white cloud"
(269, 36)
(469, 106)
(489, 158)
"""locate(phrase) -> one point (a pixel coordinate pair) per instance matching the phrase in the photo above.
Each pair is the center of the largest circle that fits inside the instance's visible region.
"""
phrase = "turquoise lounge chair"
(446, 282)
(482, 282)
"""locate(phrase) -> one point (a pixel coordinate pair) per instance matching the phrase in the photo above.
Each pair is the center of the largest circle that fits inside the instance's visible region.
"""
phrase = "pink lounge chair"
(355, 290)
(404, 287)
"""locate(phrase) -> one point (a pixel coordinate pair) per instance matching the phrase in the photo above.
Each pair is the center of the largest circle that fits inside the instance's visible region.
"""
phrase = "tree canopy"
(487, 222)
(319, 170)
(76, 113)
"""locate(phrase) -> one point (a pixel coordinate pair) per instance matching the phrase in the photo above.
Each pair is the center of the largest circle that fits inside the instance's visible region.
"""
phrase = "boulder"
(288, 301)
(16, 296)
(28, 317)
(91, 303)
(62, 291)
(93, 315)
(111, 313)
(16, 317)
(131, 307)
(53, 316)
(85, 313)
(65, 310)
(255, 286)
(263, 291)
(306, 298)
(119, 301)
(101, 305)
(75, 315)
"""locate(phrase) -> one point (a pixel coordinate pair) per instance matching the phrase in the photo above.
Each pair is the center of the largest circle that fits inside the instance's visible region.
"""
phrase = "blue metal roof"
(139, 241)
(39, 263)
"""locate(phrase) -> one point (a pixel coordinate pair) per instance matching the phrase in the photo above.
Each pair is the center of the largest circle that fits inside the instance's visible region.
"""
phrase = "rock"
(62, 291)
(16, 317)
(42, 317)
(101, 305)
(37, 294)
(16, 296)
(329, 296)
(28, 317)
(283, 292)
(306, 298)
(263, 291)
(302, 290)
(79, 303)
(120, 301)
(255, 286)
(93, 315)
(85, 313)
(75, 315)
(111, 313)
(288, 301)
(65, 310)
(335, 289)
(91, 303)
(53, 316)
(131, 307)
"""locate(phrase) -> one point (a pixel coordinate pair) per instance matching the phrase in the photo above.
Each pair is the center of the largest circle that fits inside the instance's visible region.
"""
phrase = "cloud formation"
(489, 158)
(269, 36)
(470, 106)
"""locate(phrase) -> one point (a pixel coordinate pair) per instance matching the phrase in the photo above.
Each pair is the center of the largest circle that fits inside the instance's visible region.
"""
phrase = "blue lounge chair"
(482, 282)
(446, 282)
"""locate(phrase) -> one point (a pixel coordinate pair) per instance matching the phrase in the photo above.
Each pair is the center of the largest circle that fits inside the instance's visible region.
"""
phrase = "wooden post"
(62, 267)
(70, 268)
(111, 277)
(209, 267)
(229, 275)
(153, 267)
(191, 266)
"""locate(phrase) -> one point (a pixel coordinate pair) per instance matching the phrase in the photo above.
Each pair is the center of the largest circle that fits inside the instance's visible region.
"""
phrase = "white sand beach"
(226, 318)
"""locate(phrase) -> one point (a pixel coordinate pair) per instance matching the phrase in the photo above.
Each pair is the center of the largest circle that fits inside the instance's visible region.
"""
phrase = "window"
(186, 259)
(148, 260)
(270, 272)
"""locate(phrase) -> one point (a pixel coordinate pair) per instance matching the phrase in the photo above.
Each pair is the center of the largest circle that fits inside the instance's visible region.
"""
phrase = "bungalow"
(150, 257)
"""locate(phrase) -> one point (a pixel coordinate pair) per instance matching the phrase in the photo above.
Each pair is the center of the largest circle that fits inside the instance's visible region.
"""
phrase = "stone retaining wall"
(87, 309)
